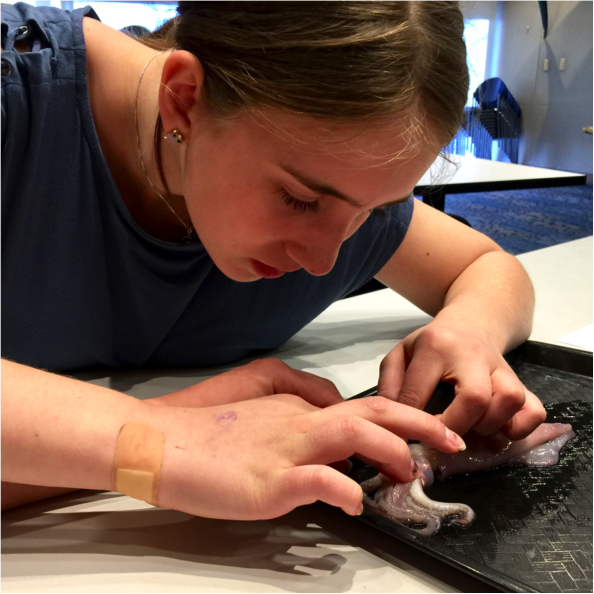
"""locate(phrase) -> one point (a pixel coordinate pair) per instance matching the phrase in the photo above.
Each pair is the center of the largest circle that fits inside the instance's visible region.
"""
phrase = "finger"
(508, 397)
(420, 380)
(392, 369)
(527, 419)
(398, 419)
(345, 436)
(407, 422)
(316, 390)
(473, 395)
(386, 470)
(305, 484)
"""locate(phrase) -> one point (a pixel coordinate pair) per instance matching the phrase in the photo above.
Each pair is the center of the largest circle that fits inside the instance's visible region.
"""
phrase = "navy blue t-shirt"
(82, 283)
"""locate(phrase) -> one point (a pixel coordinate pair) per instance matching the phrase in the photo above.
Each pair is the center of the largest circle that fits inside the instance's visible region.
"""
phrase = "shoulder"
(437, 249)
(107, 48)
(99, 36)
(112, 58)
(38, 47)
(41, 43)
(52, 27)
(368, 250)
(385, 230)
(43, 85)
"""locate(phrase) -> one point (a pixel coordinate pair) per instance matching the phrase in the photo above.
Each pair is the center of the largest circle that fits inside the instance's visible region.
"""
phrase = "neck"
(117, 97)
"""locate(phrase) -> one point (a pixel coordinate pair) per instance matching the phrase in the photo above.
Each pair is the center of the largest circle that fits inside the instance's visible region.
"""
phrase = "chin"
(237, 273)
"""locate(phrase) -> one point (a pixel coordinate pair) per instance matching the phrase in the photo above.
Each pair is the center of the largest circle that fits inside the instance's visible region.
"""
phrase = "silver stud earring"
(174, 137)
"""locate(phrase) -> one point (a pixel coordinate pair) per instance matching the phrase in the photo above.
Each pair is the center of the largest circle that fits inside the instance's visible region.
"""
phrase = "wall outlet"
(562, 64)
(546, 65)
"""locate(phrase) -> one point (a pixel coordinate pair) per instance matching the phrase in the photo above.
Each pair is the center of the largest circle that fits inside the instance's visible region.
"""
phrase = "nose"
(317, 250)
(317, 261)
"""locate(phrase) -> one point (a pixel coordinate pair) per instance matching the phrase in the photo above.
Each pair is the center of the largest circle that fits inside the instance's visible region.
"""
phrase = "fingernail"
(349, 466)
(455, 439)
(359, 510)
(414, 468)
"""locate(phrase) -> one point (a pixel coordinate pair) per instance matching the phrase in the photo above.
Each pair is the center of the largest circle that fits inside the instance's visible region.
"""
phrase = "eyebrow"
(326, 190)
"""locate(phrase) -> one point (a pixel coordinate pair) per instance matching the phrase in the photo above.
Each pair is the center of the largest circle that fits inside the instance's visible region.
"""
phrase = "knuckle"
(517, 433)
(377, 404)
(409, 398)
(385, 362)
(319, 479)
(436, 338)
(523, 429)
(290, 399)
(329, 384)
(268, 363)
(257, 364)
(476, 398)
(349, 427)
(273, 363)
(295, 482)
(540, 415)
(515, 398)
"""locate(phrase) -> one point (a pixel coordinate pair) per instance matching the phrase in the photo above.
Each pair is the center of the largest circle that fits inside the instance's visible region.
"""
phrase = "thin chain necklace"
(190, 232)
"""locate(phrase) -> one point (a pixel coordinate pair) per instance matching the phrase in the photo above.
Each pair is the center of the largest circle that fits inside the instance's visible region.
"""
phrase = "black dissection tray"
(533, 530)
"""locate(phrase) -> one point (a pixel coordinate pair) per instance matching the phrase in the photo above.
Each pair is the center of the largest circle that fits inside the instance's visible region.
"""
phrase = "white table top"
(89, 542)
(470, 170)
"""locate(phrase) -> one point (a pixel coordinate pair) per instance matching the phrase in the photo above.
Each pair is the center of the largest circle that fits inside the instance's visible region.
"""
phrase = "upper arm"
(434, 252)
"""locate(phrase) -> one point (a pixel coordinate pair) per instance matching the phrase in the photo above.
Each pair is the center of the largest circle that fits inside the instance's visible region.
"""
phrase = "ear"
(181, 85)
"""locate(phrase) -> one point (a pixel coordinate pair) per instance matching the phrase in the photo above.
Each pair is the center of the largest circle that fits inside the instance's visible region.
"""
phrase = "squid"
(407, 503)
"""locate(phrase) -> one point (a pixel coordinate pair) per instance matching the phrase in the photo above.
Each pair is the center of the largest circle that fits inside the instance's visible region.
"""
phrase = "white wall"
(555, 105)
(478, 9)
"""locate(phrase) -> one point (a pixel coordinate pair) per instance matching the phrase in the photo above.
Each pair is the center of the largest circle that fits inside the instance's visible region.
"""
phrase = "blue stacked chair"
(494, 115)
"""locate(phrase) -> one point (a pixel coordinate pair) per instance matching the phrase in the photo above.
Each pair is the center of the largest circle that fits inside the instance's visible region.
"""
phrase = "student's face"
(246, 189)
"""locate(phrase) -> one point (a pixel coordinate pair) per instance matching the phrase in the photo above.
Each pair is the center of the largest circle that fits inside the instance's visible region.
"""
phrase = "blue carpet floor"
(525, 220)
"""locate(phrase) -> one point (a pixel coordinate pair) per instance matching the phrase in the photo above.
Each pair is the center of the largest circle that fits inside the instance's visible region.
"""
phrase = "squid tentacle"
(407, 503)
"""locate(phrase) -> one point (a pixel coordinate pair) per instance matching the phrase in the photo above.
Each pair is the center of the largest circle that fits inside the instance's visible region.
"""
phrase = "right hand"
(261, 458)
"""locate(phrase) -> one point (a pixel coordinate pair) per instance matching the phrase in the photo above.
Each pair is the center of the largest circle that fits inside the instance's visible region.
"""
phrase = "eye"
(298, 204)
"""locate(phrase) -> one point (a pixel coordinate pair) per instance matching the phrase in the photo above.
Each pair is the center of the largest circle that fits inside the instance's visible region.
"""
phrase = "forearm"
(60, 432)
(15, 494)
(494, 297)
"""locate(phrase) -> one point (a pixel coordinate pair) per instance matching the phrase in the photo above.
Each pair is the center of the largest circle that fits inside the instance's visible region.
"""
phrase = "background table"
(468, 174)
(106, 542)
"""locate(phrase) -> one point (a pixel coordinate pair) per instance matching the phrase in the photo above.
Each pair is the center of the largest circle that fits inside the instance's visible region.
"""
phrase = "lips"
(266, 271)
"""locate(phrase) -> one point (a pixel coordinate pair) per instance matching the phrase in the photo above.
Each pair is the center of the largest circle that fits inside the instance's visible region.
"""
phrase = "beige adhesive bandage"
(137, 462)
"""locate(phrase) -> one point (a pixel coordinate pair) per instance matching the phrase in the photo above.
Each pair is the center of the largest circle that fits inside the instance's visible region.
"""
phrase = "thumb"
(319, 391)
(392, 370)
(306, 484)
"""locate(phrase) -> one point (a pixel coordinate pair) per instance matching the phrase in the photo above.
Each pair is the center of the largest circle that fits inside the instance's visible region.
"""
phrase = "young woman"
(192, 199)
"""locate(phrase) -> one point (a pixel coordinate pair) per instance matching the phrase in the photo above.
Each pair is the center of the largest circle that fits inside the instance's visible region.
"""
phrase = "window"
(119, 14)
(123, 14)
(476, 36)
(53, 3)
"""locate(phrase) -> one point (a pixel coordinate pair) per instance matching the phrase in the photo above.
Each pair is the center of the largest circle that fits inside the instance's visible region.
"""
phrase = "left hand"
(489, 397)
(262, 377)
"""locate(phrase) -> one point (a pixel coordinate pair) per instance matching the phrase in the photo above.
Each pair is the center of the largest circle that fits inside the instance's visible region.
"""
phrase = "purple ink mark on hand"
(225, 418)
